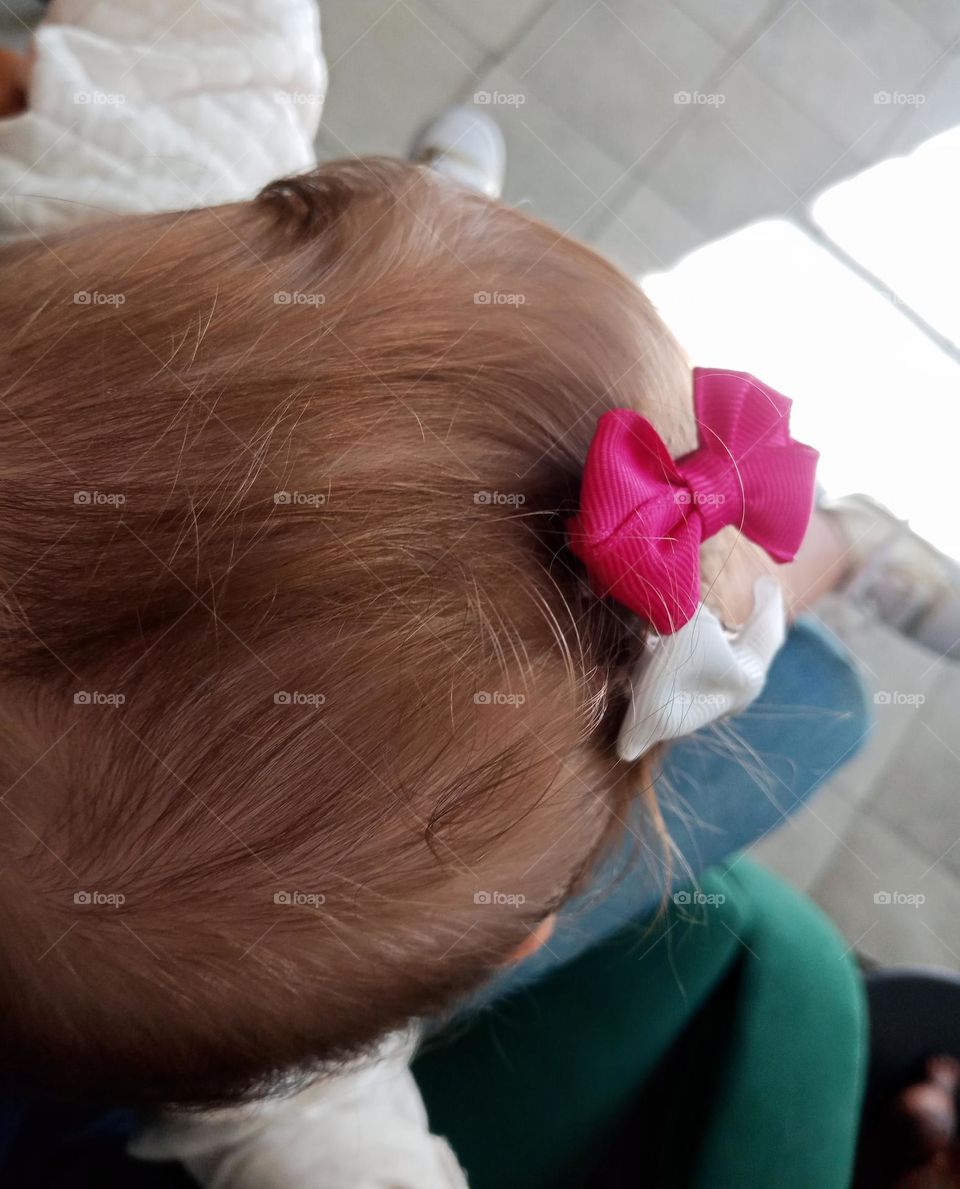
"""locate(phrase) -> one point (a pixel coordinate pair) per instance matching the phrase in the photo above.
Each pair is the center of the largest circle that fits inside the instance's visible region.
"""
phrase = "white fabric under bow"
(701, 672)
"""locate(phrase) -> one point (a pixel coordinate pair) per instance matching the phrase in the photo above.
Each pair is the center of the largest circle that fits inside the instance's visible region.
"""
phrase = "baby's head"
(309, 711)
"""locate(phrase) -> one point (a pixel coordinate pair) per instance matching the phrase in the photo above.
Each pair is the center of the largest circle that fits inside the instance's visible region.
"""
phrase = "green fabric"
(727, 1036)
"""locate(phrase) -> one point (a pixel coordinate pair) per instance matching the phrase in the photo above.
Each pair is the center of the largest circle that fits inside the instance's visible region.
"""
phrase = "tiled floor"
(888, 824)
(648, 127)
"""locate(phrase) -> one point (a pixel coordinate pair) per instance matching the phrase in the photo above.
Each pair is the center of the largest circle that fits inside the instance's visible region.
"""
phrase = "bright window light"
(876, 396)
(901, 220)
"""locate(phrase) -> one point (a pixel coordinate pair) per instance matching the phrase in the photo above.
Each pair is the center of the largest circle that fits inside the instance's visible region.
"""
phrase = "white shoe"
(466, 145)
(899, 576)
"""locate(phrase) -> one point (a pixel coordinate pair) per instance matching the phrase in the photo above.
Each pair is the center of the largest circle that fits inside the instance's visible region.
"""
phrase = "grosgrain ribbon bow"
(643, 515)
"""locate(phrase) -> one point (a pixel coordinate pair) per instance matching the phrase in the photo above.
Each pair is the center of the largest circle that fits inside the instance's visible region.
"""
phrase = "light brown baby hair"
(308, 712)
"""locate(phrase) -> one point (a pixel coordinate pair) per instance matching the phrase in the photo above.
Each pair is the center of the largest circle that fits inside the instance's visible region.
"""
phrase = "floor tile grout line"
(900, 840)
(856, 163)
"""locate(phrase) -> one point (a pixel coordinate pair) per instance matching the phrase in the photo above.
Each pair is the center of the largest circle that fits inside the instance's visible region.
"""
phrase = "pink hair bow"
(643, 515)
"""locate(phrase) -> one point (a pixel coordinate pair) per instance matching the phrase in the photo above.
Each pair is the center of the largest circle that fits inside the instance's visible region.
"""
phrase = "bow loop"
(701, 673)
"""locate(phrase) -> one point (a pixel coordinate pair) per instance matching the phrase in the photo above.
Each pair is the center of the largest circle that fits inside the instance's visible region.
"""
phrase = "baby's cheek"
(729, 566)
